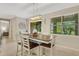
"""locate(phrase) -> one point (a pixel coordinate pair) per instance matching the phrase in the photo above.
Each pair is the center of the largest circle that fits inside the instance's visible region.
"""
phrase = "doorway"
(4, 31)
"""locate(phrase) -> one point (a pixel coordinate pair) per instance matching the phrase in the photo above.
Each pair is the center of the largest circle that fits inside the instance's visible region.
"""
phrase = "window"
(70, 24)
(67, 25)
(36, 25)
(57, 25)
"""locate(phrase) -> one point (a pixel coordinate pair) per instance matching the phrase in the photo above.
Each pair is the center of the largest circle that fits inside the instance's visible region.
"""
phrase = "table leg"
(39, 50)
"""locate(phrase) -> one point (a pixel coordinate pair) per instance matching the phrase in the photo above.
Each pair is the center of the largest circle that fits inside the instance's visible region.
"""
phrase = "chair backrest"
(26, 43)
(47, 37)
(18, 38)
(53, 39)
(44, 36)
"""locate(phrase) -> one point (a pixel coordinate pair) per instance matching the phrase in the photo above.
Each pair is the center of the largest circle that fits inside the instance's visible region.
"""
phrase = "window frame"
(62, 20)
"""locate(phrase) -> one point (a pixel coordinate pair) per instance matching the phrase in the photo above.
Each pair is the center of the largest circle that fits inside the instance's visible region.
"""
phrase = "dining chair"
(28, 45)
(19, 45)
(19, 41)
(50, 45)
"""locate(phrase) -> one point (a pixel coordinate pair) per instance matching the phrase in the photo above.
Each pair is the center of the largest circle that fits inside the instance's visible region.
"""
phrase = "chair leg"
(29, 53)
(17, 51)
(50, 51)
(39, 50)
(22, 50)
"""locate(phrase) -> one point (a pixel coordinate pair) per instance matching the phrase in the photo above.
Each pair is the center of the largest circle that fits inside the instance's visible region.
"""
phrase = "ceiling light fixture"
(36, 15)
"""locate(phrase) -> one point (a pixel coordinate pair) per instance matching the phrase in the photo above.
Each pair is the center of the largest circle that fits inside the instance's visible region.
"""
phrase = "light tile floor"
(9, 49)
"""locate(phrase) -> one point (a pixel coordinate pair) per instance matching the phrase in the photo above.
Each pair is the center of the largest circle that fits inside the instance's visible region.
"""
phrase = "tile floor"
(9, 49)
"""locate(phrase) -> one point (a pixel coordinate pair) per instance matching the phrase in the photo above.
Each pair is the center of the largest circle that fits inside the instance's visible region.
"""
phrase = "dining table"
(39, 40)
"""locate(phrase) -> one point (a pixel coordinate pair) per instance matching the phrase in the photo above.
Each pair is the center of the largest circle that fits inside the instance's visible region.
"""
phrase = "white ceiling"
(26, 10)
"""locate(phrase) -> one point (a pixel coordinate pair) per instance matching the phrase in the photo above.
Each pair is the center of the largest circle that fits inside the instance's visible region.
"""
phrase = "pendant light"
(36, 14)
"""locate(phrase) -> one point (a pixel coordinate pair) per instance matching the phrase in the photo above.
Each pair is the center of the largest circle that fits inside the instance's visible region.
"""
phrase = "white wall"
(69, 41)
(15, 27)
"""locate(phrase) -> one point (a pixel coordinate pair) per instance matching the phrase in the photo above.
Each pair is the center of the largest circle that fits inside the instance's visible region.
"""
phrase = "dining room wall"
(68, 41)
(13, 26)
(17, 26)
(47, 18)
